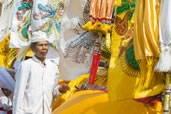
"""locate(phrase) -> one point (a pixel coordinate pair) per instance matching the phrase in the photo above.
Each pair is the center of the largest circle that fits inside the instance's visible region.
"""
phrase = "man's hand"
(63, 88)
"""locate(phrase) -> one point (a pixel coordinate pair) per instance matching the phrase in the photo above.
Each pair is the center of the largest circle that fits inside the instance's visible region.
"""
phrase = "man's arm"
(21, 82)
(56, 86)
(59, 89)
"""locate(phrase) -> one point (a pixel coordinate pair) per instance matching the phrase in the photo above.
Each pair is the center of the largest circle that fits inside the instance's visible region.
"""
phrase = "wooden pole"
(167, 100)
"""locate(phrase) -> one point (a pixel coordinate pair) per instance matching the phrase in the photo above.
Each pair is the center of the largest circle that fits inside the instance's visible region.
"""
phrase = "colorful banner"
(29, 16)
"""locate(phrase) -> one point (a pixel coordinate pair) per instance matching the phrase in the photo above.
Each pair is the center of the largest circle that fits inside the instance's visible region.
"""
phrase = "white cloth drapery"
(164, 64)
(76, 44)
(6, 81)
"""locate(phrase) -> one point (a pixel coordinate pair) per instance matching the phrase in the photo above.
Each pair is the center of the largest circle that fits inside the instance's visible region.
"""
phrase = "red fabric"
(149, 100)
(144, 100)
(8, 112)
(155, 101)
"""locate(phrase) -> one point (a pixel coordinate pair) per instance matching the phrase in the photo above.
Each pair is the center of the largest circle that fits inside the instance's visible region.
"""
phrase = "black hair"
(61, 5)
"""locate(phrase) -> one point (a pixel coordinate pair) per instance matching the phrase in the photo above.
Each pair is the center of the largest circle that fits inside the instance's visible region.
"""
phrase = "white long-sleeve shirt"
(35, 86)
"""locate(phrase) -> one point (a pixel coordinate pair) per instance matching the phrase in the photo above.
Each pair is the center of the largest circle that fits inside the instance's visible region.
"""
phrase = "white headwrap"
(6, 81)
(39, 36)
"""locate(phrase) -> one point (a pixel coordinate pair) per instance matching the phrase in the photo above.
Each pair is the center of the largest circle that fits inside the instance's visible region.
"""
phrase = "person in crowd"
(5, 101)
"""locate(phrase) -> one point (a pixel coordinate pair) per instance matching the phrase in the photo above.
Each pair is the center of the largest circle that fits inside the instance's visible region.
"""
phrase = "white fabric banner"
(30, 16)
(5, 18)
(46, 16)
(76, 44)
(21, 20)
(164, 64)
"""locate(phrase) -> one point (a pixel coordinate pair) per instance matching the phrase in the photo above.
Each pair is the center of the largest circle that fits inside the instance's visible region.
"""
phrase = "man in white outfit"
(36, 80)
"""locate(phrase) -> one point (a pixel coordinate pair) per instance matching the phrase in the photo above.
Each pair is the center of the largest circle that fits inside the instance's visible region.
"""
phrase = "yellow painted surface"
(96, 102)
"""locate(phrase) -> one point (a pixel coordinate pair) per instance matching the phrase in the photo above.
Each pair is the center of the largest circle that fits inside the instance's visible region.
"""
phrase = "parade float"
(106, 51)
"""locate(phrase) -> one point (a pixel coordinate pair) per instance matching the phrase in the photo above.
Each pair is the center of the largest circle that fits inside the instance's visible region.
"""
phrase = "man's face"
(41, 49)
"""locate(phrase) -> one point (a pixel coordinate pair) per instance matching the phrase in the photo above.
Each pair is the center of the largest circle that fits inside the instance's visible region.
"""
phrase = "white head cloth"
(39, 36)
(6, 81)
